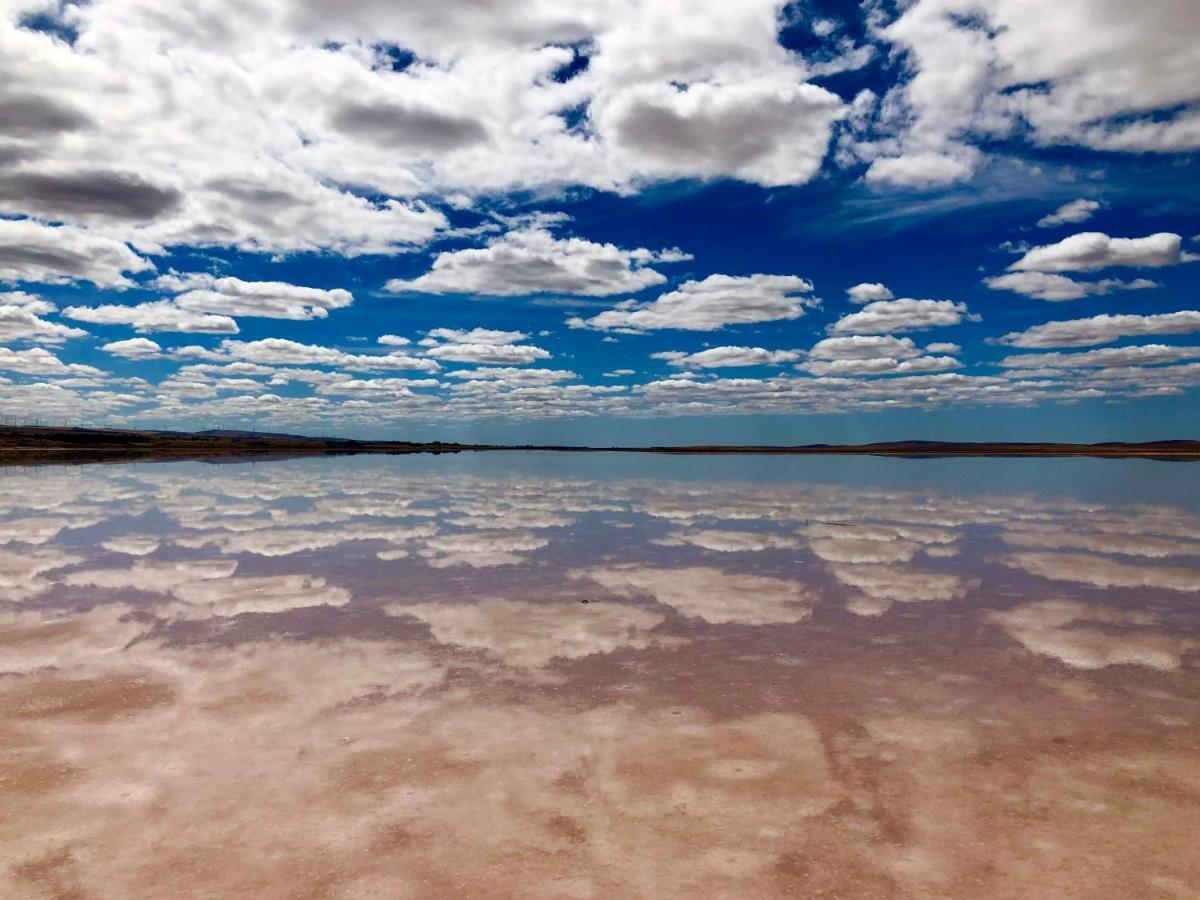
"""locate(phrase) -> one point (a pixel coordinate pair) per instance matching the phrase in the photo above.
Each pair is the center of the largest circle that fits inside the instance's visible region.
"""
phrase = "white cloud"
(1091, 250)
(1144, 355)
(849, 367)
(481, 345)
(868, 291)
(37, 361)
(267, 299)
(1084, 73)
(1069, 213)
(533, 261)
(18, 323)
(942, 347)
(31, 251)
(728, 357)
(511, 375)
(864, 347)
(1056, 288)
(708, 305)
(488, 354)
(474, 336)
(282, 352)
(393, 340)
(884, 316)
(923, 170)
(160, 315)
(876, 355)
(30, 303)
(1102, 329)
(134, 348)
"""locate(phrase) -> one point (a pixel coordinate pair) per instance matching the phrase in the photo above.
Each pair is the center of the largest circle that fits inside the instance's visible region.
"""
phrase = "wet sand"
(356, 678)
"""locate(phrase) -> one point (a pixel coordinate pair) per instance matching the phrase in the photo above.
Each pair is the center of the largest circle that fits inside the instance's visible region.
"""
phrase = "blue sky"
(606, 223)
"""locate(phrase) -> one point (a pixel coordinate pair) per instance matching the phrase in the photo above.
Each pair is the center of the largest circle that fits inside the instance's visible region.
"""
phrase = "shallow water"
(596, 676)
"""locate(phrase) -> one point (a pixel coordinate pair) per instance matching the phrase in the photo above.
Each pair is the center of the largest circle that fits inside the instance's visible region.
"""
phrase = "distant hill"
(39, 444)
(267, 435)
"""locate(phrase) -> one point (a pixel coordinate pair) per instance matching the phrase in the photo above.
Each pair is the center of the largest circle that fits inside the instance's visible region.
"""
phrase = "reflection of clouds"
(1100, 572)
(849, 550)
(156, 577)
(132, 544)
(1050, 628)
(883, 585)
(531, 634)
(33, 640)
(710, 594)
(1104, 543)
(286, 541)
(266, 594)
(265, 753)
(728, 541)
(392, 767)
(39, 530)
(20, 573)
(480, 549)
(865, 531)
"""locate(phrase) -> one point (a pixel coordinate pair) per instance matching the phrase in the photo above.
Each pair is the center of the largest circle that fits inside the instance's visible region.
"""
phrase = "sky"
(604, 221)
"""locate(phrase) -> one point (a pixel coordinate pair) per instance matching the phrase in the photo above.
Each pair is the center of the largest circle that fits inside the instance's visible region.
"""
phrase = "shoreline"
(22, 445)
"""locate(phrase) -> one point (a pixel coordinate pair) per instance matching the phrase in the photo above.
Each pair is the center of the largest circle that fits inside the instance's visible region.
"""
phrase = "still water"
(539, 675)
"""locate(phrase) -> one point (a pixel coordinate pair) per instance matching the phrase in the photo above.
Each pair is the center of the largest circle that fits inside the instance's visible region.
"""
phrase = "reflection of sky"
(411, 677)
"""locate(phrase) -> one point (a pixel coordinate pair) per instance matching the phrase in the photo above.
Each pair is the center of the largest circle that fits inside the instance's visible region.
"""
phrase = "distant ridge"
(36, 444)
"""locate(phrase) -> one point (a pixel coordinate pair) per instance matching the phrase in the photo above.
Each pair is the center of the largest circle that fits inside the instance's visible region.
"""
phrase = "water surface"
(594, 676)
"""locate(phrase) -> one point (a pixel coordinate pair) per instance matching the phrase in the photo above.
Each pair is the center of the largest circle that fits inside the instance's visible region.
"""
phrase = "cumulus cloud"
(991, 71)
(850, 367)
(1091, 250)
(708, 305)
(86, 195)
(282, 352)
(869, 291)
(481, 346)
(20, 323)
(37, 361)
(32, 251)
(134, 348)
(1056, 288)
(266, 299)
(727, 357)
(1144, 355)
(533, 261)
(488, 354)
(923, 170)
(885, 316)
(1070, 213)
(1102, 329)
(160, 315)
(763, 131)
(511, 375)
(472, 336)
(390, 124)
(864, 347)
